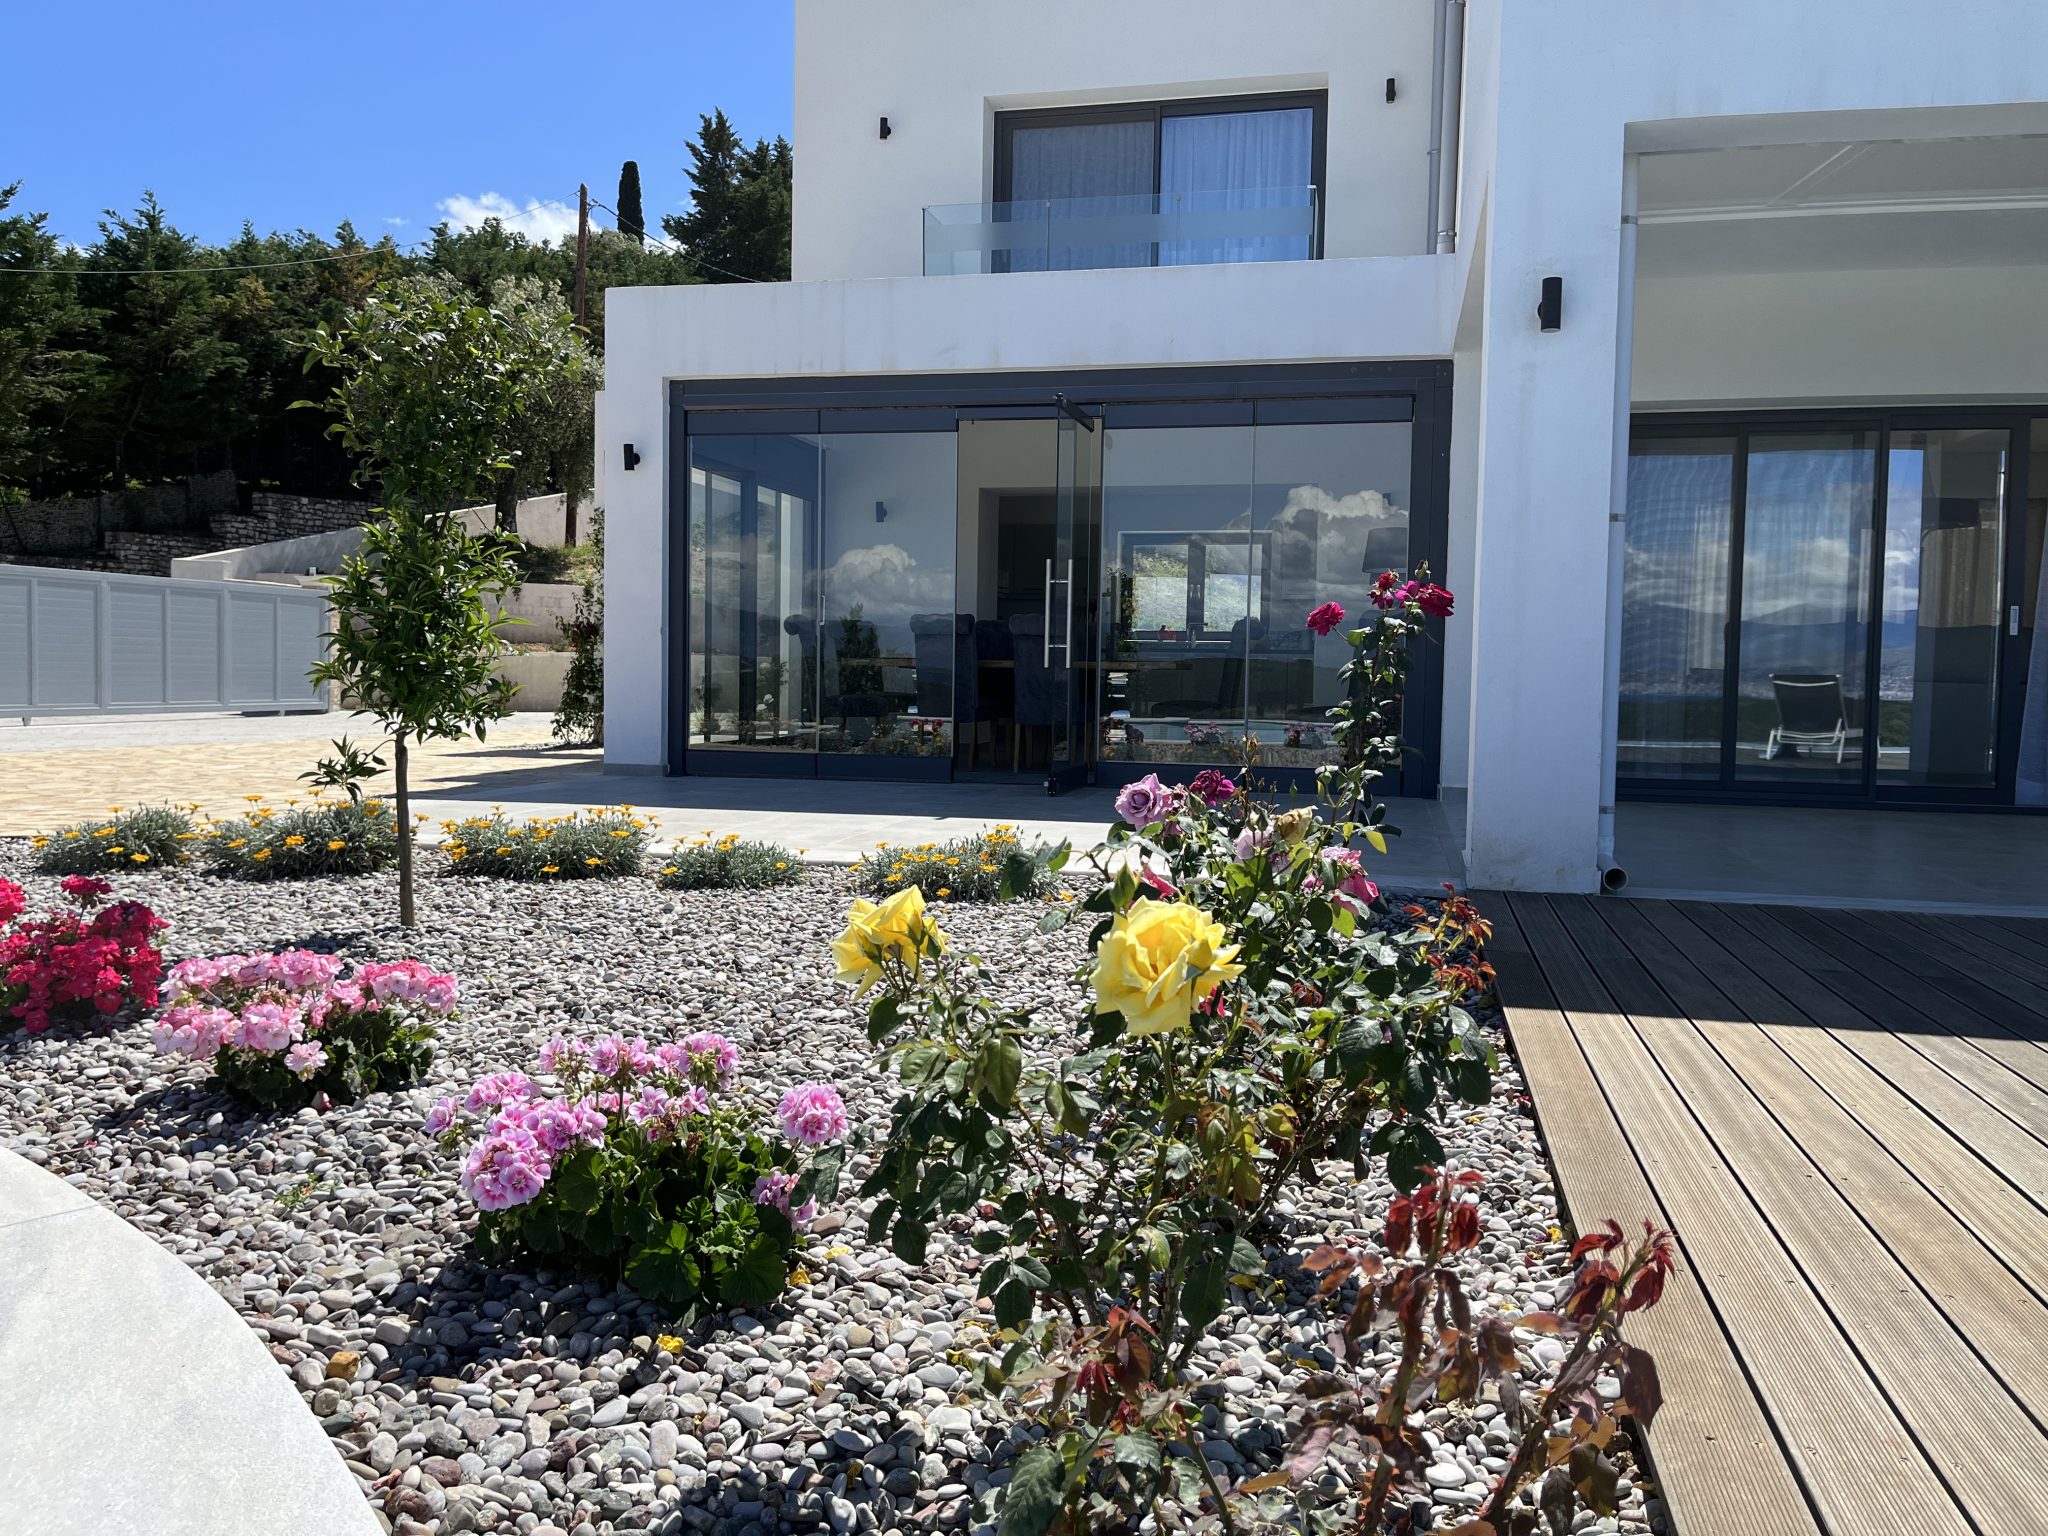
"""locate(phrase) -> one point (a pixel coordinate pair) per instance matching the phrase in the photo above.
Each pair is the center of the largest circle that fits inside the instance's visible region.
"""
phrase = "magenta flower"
(1433, 600)
(1144, 802)
(812, 1114)
(85, 890)
(505, 1169)
(556, 1124)
(1212, 787)
(498, 1089)
(1326, 618)
(775, 1189)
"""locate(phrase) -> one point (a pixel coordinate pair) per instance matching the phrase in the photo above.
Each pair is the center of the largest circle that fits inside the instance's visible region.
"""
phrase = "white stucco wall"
(1578, 81)
(1910, 336)
(940, 69)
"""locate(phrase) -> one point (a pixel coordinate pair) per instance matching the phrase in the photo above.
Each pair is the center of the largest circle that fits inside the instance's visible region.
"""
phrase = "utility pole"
(582, 263)
(582, 245)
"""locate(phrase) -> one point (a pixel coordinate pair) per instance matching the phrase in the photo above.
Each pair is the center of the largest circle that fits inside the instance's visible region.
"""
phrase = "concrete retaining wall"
(540, 676)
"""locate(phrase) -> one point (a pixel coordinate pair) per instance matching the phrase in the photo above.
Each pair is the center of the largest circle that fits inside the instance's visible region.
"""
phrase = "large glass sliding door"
(1038, 575)
(1801, 695)
(1827, 608)
(1218, 541)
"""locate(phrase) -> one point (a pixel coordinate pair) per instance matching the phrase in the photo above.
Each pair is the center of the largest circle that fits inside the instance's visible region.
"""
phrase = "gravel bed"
(471, 1399)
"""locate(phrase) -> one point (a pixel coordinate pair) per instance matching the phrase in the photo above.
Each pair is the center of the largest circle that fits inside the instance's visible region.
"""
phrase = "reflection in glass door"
(1938, 673)
(1872, 638)
(1802, 644)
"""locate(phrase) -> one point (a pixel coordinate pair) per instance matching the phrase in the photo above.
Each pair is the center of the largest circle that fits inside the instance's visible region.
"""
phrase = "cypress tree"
(631, 220)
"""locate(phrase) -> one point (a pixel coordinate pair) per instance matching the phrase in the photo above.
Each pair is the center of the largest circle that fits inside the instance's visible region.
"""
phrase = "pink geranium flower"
(812, 1114)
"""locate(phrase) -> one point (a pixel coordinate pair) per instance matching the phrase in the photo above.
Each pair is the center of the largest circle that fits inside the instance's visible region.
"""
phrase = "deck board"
(1830, 1122)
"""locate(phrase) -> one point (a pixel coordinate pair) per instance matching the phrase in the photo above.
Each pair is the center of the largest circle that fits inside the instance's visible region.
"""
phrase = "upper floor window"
(1176, 183)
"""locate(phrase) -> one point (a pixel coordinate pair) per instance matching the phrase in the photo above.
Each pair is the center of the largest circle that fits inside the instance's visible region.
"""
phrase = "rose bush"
(75, 964)
(647, 1162)
(1247, 1017)
(284, 1030)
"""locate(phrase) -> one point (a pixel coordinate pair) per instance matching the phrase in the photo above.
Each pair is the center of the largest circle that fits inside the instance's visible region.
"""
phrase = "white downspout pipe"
(1443, 199)
(1612, 876)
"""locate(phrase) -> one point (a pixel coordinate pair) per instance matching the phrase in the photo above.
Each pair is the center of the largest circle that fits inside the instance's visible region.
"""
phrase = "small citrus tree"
(430, 393)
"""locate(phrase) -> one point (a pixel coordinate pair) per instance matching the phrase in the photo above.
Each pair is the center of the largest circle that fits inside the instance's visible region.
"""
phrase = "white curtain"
(1066, 174)
(2032, 787)
(1226, 161)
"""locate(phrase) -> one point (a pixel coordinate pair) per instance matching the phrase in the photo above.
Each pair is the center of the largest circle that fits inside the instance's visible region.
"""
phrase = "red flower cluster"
(71, 964)
(1437, 1216)
(1390, 591)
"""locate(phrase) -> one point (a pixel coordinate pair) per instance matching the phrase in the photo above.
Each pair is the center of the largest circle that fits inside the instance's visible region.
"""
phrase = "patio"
(1842, 1115)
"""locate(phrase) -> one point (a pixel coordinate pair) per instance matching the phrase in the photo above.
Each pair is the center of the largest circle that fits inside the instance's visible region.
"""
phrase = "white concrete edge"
(135, 1398)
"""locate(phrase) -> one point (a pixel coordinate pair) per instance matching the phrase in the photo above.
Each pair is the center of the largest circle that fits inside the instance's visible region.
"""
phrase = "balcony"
(1180, 229)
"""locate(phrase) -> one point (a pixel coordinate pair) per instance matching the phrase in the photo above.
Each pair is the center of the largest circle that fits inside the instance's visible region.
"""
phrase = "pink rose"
(1325, 619)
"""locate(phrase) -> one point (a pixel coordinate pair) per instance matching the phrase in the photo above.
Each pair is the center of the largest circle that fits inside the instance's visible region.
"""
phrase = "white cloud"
(537, 219)
(396, 221)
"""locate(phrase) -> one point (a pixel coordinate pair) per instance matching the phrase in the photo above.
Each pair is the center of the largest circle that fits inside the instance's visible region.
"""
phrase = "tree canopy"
(120, 365)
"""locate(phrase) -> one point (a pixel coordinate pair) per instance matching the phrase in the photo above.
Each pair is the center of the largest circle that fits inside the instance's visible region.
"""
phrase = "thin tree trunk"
(405, 911)
(508, 502)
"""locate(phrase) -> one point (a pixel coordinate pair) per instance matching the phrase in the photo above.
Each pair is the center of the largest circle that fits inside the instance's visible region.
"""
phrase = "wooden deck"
(1844, 1117)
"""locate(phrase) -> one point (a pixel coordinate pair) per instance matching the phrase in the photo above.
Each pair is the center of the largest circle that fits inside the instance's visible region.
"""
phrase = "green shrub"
(593, 844)
(990, 866)
(301, 842)
(149, 837)
(727, 864)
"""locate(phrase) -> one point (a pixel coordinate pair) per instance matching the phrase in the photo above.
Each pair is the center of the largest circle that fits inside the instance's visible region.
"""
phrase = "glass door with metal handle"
(1070, 599)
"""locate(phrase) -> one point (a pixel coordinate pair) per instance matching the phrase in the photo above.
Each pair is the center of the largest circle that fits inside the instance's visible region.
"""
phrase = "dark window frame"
(1883, 422)
(1318, 102)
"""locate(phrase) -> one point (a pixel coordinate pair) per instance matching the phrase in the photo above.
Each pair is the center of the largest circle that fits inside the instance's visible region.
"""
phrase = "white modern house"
(1700, 348)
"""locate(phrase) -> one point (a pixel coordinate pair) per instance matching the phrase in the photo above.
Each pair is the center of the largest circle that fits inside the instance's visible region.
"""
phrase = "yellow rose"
(875, 931)
(1158, 961)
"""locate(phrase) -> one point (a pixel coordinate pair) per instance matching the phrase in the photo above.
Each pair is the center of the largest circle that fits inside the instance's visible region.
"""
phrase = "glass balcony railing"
(1172, 229)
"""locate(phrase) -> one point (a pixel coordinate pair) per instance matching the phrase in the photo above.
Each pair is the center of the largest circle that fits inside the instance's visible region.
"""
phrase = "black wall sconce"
(885, 127)
(1550, 307)
(632, 457)
(1390, 87)
(881, 512)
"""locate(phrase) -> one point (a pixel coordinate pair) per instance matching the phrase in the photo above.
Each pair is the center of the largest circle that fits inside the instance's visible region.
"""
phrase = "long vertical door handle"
(1067, 631)
(1048, 610)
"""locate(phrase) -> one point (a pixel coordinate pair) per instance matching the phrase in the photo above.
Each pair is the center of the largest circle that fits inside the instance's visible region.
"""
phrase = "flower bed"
(646, 1161)
(76, 964)
(287, 1029)
(152, 837)
(728, 863)
(583, 845)
(340, 837)
(988, 866)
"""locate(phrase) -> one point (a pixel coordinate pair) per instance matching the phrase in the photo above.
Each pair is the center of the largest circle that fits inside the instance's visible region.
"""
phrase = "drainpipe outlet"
(1612, 879)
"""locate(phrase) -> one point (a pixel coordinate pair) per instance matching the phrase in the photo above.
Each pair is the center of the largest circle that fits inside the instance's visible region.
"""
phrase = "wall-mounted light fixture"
(1390, 87)
(881, 512)
(885, 127)
(1550, 307)
(632, 457)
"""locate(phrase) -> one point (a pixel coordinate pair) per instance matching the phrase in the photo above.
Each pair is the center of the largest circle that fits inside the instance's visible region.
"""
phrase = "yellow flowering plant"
(727, 862)
(323, 835)
(607, 840)
(146, 837)
(995, 865)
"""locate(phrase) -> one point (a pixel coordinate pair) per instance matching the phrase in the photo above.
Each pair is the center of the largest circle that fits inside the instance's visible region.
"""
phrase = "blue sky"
(298, 115)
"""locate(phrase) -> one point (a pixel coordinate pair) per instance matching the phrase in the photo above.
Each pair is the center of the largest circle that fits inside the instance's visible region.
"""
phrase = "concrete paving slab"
(136, 1400)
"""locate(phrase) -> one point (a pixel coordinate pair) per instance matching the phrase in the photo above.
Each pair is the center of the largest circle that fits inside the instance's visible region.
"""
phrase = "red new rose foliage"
(75, 964)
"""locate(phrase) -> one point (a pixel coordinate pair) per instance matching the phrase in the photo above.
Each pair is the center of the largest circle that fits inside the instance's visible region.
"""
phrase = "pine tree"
(738, 224)
(631, 220)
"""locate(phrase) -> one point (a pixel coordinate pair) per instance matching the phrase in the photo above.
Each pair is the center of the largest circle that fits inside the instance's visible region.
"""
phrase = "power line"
(676, 250)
